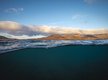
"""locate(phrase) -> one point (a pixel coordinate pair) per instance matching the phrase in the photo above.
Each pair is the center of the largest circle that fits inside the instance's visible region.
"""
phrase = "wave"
(7, 46)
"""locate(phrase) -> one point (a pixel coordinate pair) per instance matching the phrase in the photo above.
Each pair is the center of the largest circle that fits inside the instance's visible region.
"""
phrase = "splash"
(6, 46)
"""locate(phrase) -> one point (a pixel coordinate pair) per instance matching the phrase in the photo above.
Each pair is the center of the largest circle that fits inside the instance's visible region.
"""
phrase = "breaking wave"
(6, 46)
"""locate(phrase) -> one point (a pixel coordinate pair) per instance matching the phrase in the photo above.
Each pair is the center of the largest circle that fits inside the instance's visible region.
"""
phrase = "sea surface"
(69, 62)
(7, 46)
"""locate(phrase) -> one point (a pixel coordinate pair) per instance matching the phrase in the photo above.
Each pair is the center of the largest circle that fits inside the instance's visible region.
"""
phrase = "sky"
(83, 14)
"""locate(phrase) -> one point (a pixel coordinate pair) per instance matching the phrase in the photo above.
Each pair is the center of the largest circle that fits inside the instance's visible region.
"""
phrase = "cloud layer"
(16, 30)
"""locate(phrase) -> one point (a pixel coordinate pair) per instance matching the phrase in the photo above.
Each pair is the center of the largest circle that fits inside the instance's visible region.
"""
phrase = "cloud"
(54, 29)
(21, 36)
(20, 9)
(16, 30)
(79, 16)
(89, 1)
(9, 25)
(19, 31)
(14, 10)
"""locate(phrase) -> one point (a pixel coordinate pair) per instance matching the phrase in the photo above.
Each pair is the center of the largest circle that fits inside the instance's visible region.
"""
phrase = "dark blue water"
(60, 63)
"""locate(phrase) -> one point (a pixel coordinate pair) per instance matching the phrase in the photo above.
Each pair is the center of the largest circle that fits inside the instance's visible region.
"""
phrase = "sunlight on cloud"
(9, 25)
(15, 30)
(43, 28)
(54, 29)
(67, 30)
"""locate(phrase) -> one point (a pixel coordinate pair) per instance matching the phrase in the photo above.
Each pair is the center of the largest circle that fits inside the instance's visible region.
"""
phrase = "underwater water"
(57, 63)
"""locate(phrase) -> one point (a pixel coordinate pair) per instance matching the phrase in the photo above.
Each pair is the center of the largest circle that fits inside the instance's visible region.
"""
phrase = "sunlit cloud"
(15, 30)
(54, 29)
(9, 25)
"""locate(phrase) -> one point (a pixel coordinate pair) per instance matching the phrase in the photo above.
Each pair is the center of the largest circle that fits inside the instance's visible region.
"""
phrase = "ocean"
(57, 63)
